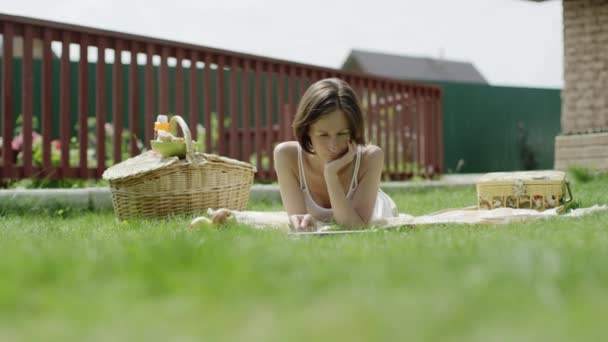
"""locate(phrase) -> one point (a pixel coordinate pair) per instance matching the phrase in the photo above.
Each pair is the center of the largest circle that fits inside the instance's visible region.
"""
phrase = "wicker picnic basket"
(150, 185)
(538, 190)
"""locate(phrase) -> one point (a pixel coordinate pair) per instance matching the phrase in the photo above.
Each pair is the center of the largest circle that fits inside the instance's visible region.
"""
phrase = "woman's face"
(330, 136)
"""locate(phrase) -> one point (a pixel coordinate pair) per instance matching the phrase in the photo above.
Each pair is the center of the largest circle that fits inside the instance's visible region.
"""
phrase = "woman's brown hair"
(324, 97)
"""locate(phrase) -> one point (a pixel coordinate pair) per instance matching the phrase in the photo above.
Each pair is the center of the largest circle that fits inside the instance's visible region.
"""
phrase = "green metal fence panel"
(492, 128)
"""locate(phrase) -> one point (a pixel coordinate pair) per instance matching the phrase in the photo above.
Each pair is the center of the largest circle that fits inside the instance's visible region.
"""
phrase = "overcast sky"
(511, 42)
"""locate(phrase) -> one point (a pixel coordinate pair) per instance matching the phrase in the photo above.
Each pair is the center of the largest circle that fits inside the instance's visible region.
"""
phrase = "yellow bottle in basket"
(161, 124)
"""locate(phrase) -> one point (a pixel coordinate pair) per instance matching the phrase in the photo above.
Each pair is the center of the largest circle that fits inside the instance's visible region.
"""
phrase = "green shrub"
(582, 174)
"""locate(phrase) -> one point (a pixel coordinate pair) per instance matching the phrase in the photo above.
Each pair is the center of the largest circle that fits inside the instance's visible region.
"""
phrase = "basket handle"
(569, 193)
(187, 135)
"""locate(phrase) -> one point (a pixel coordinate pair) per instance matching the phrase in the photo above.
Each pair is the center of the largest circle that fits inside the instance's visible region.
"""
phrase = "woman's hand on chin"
(334, 166)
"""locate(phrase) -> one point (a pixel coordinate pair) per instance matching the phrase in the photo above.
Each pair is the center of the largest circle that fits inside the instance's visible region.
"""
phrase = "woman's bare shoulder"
(286, 151)
(371, 153)
(372, 157)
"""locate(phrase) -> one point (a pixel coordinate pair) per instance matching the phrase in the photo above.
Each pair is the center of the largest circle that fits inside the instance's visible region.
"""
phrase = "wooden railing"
(245, 103)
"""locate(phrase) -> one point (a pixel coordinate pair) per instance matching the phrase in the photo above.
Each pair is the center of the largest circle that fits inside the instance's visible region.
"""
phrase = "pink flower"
(56, 144)
(17, 142)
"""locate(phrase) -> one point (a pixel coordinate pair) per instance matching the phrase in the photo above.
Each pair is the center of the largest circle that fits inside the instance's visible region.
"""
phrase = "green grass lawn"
(81, 276)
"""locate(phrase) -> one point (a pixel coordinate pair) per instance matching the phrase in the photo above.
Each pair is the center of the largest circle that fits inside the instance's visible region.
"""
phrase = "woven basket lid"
(151, 161)
(214, 158)
(143, 163)
(547, 175)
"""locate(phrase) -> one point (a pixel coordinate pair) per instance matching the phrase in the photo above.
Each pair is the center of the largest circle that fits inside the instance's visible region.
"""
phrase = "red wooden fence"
(404, 118)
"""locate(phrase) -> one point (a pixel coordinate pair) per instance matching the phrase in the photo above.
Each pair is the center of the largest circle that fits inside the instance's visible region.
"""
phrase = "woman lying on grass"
(330, 173)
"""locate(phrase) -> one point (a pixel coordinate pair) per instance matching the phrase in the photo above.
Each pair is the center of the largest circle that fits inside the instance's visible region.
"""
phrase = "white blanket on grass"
(471, 215)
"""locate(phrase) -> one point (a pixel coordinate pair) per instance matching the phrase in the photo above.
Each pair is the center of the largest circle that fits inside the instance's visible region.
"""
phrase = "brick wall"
(585, 93)
(589, 150)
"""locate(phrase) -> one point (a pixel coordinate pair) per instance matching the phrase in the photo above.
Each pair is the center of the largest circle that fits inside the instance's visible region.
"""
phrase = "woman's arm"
(286, 167)
(359, 211)
(370, 174)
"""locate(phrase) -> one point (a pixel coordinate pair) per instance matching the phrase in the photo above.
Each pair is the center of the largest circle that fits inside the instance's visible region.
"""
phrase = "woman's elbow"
(354, 221)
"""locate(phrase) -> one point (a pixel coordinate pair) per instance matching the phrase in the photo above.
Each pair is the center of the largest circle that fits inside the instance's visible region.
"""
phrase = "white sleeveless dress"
(384, 207)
